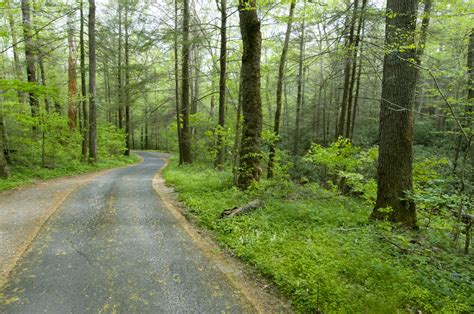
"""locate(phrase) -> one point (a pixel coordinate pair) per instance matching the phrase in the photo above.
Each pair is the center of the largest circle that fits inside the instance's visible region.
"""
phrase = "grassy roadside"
(320, 250)
(24, 175)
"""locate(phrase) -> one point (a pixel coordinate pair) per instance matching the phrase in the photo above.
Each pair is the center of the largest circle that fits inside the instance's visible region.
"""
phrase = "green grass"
(320, 250)
(25, 175)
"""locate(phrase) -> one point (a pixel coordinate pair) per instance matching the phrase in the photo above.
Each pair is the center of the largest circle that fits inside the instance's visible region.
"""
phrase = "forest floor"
(111, 244)
(320, 250)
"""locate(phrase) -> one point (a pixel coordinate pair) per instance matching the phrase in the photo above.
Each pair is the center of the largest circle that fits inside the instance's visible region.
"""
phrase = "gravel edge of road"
(46, 216)
(257, 291)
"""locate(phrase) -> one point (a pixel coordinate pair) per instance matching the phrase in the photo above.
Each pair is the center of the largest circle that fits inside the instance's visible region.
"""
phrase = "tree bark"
(355, 50)
(119, 69)
(92, 71)
(186, 131)
(4, 170)
(279, 91)
(347, 73)
(84, 131)
(300, 91)
(72, 83)
(394, 173)
(29, 55)
(249, 170)
(176, 84)
(128, 123)
(222, 85)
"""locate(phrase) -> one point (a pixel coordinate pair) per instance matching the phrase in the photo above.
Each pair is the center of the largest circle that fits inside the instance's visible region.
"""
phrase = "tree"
(300, 88)
(128, 123)
(29, 54)
(92, 72)
(394, 172)
(4, 171)
(249, 170)
(222, 85)
(186, 130)
(281, 69)
(176, 83)
(84, 131)
(72, 83)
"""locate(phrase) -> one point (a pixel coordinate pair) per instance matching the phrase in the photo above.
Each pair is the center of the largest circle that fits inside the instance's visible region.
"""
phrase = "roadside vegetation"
(318, 246)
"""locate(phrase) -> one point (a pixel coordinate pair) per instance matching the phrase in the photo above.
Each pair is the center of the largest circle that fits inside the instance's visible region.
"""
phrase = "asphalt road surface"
(111, 247)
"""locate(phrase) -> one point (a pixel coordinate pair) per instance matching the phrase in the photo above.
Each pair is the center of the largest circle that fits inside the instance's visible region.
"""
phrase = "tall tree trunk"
(92, 70)
(186, 131)
(237, 138)
(176, 84)
(222, 85)
(29, 54)
(16, 57)
(357, 91)
(119, 69)
(84, 131)
(394, 173)
(279, 91)
(249, 170)
(300, 92)
(347, 73)
(128, 123)
(72, 84)
(355, 50)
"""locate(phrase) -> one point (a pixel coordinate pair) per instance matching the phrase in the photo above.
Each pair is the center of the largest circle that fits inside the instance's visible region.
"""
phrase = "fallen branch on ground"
(237, 211)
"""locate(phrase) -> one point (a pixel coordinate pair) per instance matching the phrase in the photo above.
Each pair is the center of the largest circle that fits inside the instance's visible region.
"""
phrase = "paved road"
(111, 247)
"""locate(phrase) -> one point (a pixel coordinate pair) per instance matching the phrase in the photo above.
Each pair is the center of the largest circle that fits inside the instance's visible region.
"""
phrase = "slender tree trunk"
(92, 70)
(84, 131)
(72, 83)
(357, 91)
(237, 138)
(347, 73)
(300, 92)
(186, 131)
(29, 54)
(249, 170)
(16, 57)
(128, 123)
(119, 69)
(222, 85)
(355, 50)
(279, 91)
(176, 84)
(394, 173)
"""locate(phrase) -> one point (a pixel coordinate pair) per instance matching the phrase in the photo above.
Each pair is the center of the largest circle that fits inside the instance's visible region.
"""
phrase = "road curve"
(111, 247)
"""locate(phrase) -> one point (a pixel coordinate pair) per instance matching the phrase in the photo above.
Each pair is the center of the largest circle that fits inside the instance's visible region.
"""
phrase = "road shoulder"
(261, 294)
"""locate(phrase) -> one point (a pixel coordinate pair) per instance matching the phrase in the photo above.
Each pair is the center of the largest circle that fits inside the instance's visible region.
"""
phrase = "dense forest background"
(364, 99)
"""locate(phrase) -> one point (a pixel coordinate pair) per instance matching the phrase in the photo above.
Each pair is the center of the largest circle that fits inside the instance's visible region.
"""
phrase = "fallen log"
(237, 211)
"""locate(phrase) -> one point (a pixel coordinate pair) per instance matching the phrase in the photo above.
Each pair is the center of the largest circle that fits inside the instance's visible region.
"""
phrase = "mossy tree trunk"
(394, 173)
(249, 170)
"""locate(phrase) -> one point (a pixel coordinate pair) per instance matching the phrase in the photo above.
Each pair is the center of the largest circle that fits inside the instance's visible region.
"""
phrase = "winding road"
(113, 246)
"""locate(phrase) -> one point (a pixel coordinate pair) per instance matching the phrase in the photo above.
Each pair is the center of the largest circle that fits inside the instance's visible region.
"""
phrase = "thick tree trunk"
(72, 83)
(186, 131)
(84, 131)
(279, 91)
(222, 85)
(394, 173)
(92, 71)
(249, 170)
(29, 54)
